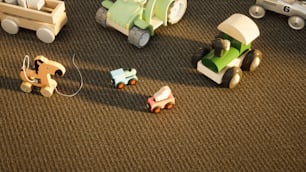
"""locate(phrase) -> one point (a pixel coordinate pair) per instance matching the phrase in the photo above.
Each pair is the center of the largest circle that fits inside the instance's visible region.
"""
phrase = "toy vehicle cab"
(296, 10)
(225, 69)
(122, 77)
(139, 18)
(46, 17)
(163, 99)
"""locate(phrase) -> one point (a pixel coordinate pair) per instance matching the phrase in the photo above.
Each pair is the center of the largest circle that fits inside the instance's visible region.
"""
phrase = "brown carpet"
(258, 126)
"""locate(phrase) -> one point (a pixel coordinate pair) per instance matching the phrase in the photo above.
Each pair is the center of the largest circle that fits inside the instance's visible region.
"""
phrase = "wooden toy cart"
(47, 22)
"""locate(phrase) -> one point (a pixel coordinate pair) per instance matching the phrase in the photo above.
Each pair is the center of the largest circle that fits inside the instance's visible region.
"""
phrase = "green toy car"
(139, 18)
(231, 52)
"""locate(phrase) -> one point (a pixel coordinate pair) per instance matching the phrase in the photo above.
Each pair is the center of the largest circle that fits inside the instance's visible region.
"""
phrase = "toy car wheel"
(232, 77)
(120, 85)
(46, 91)
(10, 26)
(157, 110)
(169, 105)
(198, 56)
(296, 22)
(45, 35)
(257, 11)
(139, 37)
(176, 11)
(251, 60)
(132, 81)
(26, 87)
(101, 16)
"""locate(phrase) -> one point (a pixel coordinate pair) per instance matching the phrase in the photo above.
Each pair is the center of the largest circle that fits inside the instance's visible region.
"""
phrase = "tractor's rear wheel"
(176, 11)
(139, 37)
(198, 55)
(252, 60)
(101, 16)
(232, 77)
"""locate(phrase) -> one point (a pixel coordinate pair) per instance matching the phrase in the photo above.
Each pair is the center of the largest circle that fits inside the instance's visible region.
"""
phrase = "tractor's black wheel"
(101, 16)
(139, 37)
(232, 77)
(198, 55)
(252, 60)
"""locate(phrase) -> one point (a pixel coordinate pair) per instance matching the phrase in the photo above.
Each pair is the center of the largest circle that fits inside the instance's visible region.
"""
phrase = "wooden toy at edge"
(46, 17)
(40, 76)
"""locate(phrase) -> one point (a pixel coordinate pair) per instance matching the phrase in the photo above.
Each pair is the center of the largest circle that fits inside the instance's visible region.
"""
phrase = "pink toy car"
(163, 99)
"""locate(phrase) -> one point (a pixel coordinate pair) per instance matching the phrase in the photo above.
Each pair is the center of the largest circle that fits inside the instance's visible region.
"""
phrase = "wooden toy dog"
(40, 76)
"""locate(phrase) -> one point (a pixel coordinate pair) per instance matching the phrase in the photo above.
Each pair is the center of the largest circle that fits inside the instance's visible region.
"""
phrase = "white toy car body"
(296, 10)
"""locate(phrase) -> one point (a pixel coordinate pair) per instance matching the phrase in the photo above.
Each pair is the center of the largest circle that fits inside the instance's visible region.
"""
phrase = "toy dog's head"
(46, 66)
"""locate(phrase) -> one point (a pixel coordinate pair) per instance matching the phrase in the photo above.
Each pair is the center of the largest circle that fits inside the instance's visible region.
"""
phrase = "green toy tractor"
(225, 65)
(139, 18)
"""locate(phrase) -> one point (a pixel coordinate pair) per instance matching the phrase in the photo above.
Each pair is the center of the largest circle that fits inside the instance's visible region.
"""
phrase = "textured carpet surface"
(258, 126)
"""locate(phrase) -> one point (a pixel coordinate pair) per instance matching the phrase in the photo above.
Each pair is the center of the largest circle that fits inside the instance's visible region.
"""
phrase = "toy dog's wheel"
(46, 91)
(257, 11)
(157, 110)
(198, 56)
(176, 11)
(45, 35)
(26, 87)
(120, 85)
(10, 26)
(169, 105)
(139, 37)
(101, 16)
(296, 22)
(132, 81)
(251, 60)
(232, 77)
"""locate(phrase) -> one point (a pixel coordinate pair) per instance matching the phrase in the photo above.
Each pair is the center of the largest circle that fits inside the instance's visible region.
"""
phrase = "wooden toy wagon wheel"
(45, 35)
(10, 26)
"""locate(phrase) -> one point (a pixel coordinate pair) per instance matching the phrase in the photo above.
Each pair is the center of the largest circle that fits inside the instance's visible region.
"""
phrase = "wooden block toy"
(40, 76)
(47, 17)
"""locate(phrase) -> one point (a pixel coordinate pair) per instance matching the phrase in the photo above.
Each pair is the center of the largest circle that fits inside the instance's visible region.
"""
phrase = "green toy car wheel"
(232, 77)
(101, 16)
(176, 11)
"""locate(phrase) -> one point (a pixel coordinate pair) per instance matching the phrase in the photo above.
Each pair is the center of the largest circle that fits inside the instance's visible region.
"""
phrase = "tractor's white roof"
(240, 27)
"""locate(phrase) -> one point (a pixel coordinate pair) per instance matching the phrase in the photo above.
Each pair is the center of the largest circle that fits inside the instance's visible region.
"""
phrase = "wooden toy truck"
(47, 22)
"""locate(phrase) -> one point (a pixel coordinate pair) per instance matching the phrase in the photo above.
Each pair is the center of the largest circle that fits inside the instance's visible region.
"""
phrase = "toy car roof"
(240, 27)
(162, 94)
(117, 73)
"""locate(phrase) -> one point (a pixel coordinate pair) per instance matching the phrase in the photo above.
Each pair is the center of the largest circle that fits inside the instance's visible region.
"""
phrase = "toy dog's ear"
(36, 64)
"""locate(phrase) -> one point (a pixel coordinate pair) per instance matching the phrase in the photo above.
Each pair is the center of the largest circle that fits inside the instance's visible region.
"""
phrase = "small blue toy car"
(123, 76)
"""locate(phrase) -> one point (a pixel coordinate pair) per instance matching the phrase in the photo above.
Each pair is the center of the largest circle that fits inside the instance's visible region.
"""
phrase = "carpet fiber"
(258, 126)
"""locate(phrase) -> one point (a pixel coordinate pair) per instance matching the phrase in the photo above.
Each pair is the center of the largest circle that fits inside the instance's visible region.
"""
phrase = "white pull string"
(81, 81)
